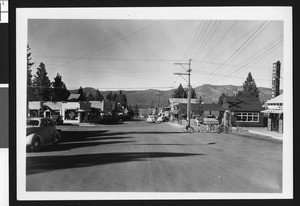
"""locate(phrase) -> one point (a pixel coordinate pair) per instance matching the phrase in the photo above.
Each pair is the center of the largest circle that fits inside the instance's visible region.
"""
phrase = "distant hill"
(209, 94)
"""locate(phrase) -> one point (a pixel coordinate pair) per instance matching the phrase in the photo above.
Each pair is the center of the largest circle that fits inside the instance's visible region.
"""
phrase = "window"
(71, 114)
(247, 117)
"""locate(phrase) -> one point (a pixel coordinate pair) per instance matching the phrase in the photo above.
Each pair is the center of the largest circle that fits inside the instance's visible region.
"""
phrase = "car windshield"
(33, 123)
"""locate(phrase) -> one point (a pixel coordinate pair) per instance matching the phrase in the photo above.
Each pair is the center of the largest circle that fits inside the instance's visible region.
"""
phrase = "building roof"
(54, 105)
(194, 107)
(212, 107)
(246, 104)
(278, 99)
(74, 97)
(182, 100)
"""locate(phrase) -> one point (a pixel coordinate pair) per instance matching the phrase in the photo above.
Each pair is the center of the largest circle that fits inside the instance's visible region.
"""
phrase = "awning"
(276, 111)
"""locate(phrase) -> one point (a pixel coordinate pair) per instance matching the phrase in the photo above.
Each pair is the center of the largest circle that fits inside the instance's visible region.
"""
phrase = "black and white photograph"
(159, 102)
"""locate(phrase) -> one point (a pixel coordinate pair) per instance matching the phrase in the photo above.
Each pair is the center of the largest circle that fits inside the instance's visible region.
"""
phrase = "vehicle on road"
(210, 119)
(151, 119)
(162, 119)
(40, 132)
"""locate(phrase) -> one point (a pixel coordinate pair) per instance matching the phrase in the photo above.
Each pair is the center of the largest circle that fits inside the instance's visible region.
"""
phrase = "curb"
(251, 131)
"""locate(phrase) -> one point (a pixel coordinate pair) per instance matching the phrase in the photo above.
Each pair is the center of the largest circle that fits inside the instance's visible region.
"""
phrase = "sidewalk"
(264, 131)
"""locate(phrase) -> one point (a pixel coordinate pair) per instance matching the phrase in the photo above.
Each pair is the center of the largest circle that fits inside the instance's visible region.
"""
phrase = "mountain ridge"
(157, 98)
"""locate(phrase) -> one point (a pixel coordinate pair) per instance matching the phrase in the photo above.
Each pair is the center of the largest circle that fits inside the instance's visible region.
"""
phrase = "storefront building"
(274, 111)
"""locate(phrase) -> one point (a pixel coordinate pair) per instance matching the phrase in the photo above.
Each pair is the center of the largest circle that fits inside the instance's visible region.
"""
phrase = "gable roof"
(194, 107)
(212, 107)
(278, 99)
(74, 97)
(246, 104)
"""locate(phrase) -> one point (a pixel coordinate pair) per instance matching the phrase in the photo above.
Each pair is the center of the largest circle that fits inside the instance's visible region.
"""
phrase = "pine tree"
(109, 96)
(98, 96)
(82, 96)
(41, 84)
(136, 110)
(221, 97)
(180, 92)
(249, 88)
(193, 93)
(60, 92)
(90, 97)
(30, 94)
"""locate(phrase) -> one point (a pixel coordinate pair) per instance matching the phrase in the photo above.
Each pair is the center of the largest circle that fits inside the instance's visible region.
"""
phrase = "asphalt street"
(144, 157)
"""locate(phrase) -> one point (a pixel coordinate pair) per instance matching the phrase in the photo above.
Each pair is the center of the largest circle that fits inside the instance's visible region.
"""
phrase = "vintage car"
(41, 131)
(151, 119)
(210, 120)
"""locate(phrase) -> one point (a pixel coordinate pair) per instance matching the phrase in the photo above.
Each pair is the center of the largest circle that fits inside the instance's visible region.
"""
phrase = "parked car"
(151, 119)
(162, 119)
(210, 119)
(41, 131)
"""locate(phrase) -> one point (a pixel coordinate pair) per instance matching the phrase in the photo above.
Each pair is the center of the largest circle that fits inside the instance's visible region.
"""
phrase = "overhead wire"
(221, 39)
(111, 43)
(199, 39)
(235, 42)
(209, 36)
(242, 48)
(192, 42)
(270, 50)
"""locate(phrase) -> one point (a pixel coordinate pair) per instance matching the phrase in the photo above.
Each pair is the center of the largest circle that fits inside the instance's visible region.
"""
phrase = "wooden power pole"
(188, 73)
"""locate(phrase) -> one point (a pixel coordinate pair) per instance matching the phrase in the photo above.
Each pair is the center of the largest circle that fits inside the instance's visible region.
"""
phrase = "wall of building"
(260, 122)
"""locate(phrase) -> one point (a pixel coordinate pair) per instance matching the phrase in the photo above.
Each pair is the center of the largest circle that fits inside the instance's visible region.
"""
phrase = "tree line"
(249, 90)
(40, 88)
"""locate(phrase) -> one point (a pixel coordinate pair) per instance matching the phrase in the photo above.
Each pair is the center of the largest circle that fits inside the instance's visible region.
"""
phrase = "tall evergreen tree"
(249, 88)
(109, 96)
(42, 84)
(136, 110)
(60, 92)
(193, 93)
(98, 96)
(221, 97)
(90, 97)
(30, 91)
(180, 92)
(82, 96)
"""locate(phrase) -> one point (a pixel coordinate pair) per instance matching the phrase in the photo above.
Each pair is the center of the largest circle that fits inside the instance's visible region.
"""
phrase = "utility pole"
(188, 72)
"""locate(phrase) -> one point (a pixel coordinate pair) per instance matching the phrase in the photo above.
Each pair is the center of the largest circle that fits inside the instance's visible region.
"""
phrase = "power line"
(205, 35)
(258, 59)
(241, 48)
(221, 39)
(234, 43)
(114, 42)
(199, 39)
(193, 39)
(210, 35)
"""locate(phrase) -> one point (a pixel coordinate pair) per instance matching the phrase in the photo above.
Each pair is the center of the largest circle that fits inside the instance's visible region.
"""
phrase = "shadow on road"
(39, 164)
(79, 135)
(73, 145)
(140, 132)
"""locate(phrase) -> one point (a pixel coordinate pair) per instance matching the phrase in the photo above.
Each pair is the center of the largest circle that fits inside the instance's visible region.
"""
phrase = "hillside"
(209, 94)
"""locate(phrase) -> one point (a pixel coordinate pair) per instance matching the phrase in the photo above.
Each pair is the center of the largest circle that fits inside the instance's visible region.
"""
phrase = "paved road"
(142, 157)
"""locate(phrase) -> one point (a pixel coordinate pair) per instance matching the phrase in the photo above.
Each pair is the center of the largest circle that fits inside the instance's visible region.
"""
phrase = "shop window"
(247, 117)
(71, 114)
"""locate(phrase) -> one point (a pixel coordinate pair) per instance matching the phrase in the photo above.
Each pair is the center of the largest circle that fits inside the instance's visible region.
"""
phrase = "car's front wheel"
(36, 145)
(57, 139)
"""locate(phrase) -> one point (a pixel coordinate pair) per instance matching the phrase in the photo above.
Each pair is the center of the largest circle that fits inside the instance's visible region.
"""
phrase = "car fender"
(36, 136)
(59, 136)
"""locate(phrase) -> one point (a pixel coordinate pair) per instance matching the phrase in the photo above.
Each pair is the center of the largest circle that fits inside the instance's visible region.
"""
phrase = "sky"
(141, 54)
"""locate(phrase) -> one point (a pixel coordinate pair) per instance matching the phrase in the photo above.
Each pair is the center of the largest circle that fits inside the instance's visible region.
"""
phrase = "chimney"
(276, 79)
